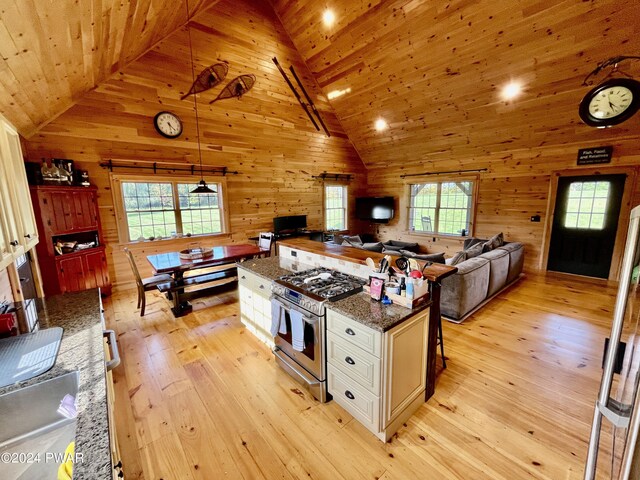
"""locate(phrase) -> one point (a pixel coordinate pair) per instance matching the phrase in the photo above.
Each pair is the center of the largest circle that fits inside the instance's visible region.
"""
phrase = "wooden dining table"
(171, 263)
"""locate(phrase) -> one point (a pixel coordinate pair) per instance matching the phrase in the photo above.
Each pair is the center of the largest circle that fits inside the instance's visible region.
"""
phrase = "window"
(441, 207)
(166, 207)
(335, 207)
(586, 205)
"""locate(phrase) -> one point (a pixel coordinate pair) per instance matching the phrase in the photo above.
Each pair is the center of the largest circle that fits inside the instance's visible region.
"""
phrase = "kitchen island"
(378, 356)
(81, 349)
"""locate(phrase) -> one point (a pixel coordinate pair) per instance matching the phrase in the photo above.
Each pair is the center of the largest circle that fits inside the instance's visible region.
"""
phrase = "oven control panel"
(297, 298)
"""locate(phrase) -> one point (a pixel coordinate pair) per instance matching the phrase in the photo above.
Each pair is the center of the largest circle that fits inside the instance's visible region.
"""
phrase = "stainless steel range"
(298, 316)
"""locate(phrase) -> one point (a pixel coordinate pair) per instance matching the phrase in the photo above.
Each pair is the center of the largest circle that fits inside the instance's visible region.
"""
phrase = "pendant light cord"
(195, 94)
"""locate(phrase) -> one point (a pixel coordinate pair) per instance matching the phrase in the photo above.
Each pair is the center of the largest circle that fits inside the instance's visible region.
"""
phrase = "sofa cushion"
(516, 259)
(398, 245)
(474, 251)
(493, 243)
(459, 257)
(499, 263)
(465, 289)
(430, 257)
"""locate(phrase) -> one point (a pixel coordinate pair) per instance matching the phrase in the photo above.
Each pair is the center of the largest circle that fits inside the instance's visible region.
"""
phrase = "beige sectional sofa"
(480, 278)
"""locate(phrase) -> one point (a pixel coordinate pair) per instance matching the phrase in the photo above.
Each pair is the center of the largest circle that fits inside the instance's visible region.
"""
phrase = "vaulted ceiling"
(432, 69)
(53, 52)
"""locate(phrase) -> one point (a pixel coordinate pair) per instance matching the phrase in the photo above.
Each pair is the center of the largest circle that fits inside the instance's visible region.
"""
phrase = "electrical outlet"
(294, 253)
(535, 218)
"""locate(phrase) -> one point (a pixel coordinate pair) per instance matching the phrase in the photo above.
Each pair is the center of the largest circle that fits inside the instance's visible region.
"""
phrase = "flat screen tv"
(289, 224)
(375, 209)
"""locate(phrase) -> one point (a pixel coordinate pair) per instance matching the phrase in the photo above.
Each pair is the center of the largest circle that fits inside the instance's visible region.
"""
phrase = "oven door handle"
(303, 374)
(290, 306)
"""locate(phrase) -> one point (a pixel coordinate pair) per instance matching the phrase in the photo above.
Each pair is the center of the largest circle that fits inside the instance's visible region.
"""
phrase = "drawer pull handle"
(350, 361)
(243, 277)
(349, 395)
(348, 331)
(261, 287)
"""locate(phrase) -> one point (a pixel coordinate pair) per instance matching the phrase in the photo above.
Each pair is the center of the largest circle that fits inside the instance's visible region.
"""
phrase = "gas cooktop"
(323, 284)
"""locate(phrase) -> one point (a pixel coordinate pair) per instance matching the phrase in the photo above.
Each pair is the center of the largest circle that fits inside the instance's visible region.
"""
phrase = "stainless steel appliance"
(618, 402)
(303, 294)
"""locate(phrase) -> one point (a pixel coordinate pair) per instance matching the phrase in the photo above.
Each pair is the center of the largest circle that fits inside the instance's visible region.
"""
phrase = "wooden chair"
(145, 284)
(265, 241)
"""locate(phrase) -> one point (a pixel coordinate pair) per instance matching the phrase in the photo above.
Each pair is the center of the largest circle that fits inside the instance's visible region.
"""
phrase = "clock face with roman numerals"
(611, 102)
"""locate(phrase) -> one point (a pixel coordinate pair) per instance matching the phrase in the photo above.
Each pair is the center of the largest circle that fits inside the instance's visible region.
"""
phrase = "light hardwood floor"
(200, 398)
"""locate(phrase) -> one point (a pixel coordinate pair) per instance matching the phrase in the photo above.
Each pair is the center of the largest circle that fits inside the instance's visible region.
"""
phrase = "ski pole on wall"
(311, 104)
(297, 95)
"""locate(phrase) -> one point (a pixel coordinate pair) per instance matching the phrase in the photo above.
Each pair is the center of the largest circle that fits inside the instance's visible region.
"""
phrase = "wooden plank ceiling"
(53, 52)
(433, 71)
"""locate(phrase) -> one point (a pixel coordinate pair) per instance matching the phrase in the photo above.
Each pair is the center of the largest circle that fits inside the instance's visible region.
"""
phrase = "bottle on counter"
(403, 287)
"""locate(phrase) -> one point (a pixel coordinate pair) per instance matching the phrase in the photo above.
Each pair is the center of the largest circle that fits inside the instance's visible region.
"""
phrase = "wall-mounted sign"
(591, 156)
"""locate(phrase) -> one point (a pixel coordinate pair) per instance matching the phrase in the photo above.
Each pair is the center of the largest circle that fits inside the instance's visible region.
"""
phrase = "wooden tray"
(196, 253)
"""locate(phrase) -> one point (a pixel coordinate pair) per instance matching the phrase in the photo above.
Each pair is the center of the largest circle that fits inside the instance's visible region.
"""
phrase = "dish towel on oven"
(297, 330)
(278, 324)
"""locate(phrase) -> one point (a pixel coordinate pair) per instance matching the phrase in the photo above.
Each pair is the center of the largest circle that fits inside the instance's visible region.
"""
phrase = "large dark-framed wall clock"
(168, 124)
(610, 103)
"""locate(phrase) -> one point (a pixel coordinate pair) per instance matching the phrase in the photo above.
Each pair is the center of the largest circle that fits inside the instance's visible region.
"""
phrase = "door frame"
(623, 219)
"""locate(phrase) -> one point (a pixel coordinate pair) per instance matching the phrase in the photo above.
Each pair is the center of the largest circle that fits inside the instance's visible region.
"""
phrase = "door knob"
(14, 243)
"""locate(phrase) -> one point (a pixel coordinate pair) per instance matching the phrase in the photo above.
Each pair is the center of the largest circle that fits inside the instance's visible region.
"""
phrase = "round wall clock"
(611, 102)
(168, 124)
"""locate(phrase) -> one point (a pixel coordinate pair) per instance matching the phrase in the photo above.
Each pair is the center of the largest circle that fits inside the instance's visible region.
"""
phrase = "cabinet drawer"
(354, 362)
(254, 282)
(361, 404)
(245, 278)
(364, 337)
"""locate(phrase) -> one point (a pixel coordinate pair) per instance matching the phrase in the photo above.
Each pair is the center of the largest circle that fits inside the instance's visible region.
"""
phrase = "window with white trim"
(335, 207)
(166, 207)
(442, 207)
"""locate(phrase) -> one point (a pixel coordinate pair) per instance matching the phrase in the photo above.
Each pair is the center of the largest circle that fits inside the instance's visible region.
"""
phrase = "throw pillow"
(459, 257)
(431, 257)
(352, 238)
(372, 247)
(470, 242)
(474, 251)
(493, 243)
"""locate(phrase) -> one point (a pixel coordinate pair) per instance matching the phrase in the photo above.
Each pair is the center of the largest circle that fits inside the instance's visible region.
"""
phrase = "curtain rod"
(334, 176)
(443, 173)
(111, 165)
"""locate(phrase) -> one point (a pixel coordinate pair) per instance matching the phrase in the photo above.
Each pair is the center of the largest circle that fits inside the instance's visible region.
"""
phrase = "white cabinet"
(17, 218)
(255, 306)
(379, 378)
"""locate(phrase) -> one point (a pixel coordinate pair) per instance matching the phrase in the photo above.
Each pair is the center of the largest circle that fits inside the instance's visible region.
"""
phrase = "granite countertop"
(363, 309)
(359, 307)
(272, 268)
(81, 349)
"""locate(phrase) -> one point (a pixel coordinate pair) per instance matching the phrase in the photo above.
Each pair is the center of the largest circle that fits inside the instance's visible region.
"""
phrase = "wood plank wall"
(514, 188)
(266, 136)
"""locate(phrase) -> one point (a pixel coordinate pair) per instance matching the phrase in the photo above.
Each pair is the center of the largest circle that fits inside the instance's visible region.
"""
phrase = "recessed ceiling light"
(328, 17)
(381, 124)
(511, 90)
(338, 93)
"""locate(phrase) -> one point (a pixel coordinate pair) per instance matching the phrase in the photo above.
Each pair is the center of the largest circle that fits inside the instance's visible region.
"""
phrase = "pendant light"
(202, 185)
